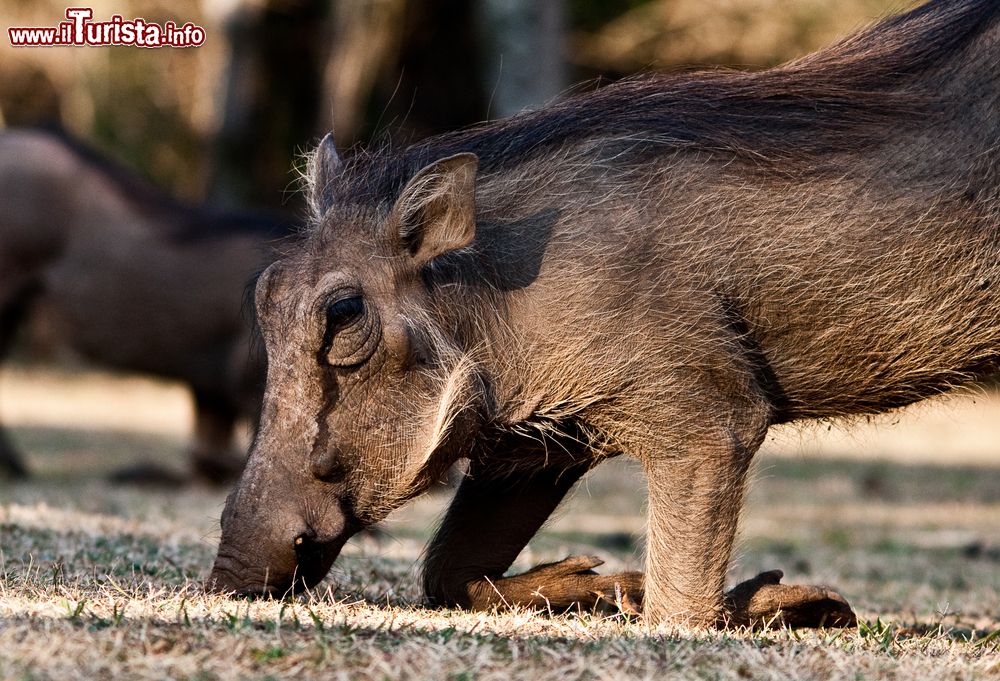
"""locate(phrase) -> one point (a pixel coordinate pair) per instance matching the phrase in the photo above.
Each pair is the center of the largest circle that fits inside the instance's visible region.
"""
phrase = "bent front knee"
(458, 592)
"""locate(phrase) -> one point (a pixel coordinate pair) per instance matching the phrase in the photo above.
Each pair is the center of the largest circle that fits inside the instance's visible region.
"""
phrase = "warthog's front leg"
(695, 494)
(212, 456)
(764, 602)
(757, 603)
(695, 477)
(12, 311)
(11, 464)
(488, 524)
(213, 460)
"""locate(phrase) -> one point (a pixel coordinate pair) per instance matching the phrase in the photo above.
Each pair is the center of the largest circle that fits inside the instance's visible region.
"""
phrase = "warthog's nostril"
(307, 549)
(304, 542)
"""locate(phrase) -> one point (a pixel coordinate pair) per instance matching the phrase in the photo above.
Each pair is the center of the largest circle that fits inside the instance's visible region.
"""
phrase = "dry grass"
(97, 581)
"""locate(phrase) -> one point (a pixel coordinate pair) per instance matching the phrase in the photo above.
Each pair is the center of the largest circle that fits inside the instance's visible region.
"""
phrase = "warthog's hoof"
(764, 602)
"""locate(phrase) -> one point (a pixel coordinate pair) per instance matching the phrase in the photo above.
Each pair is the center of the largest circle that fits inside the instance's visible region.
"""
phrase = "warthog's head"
(366, 400)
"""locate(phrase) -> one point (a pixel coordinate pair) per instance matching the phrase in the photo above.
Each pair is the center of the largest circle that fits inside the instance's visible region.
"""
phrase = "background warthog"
(664, 268)
(132, 279)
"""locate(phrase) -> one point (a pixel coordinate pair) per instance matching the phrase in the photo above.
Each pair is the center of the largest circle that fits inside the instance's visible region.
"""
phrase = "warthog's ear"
(324, 167)
(436, 213)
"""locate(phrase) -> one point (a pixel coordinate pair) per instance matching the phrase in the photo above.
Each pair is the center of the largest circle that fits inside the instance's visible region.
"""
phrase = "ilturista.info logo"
(80, 29)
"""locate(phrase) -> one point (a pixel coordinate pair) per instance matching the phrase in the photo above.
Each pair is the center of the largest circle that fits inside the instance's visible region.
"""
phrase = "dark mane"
(184, 222)
(792, 116)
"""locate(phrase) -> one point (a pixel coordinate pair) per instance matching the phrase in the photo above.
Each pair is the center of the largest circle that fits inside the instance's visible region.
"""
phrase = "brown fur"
(662, 269)
(132, 280)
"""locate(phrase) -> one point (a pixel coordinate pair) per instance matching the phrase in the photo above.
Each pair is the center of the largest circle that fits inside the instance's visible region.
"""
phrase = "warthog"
(664, 269)
(133, 280)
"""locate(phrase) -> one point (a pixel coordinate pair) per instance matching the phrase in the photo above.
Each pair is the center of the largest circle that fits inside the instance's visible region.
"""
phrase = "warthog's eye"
(352, 331)
(342, 313)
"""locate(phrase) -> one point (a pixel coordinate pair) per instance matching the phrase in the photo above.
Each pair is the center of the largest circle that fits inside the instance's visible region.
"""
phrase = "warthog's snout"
(273, 548)
(276, 573)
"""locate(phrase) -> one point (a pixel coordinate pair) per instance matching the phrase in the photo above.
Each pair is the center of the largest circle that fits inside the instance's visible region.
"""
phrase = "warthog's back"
(834, 221)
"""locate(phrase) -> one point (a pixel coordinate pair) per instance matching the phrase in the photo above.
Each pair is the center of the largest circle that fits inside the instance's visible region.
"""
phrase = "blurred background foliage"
(224, 122)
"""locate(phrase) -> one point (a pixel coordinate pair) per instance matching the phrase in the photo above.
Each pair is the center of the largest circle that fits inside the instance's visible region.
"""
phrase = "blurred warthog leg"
(14, 304)
(213, 458)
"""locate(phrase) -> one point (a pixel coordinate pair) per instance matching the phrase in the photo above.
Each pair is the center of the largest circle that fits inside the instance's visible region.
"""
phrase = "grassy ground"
(98, 581)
